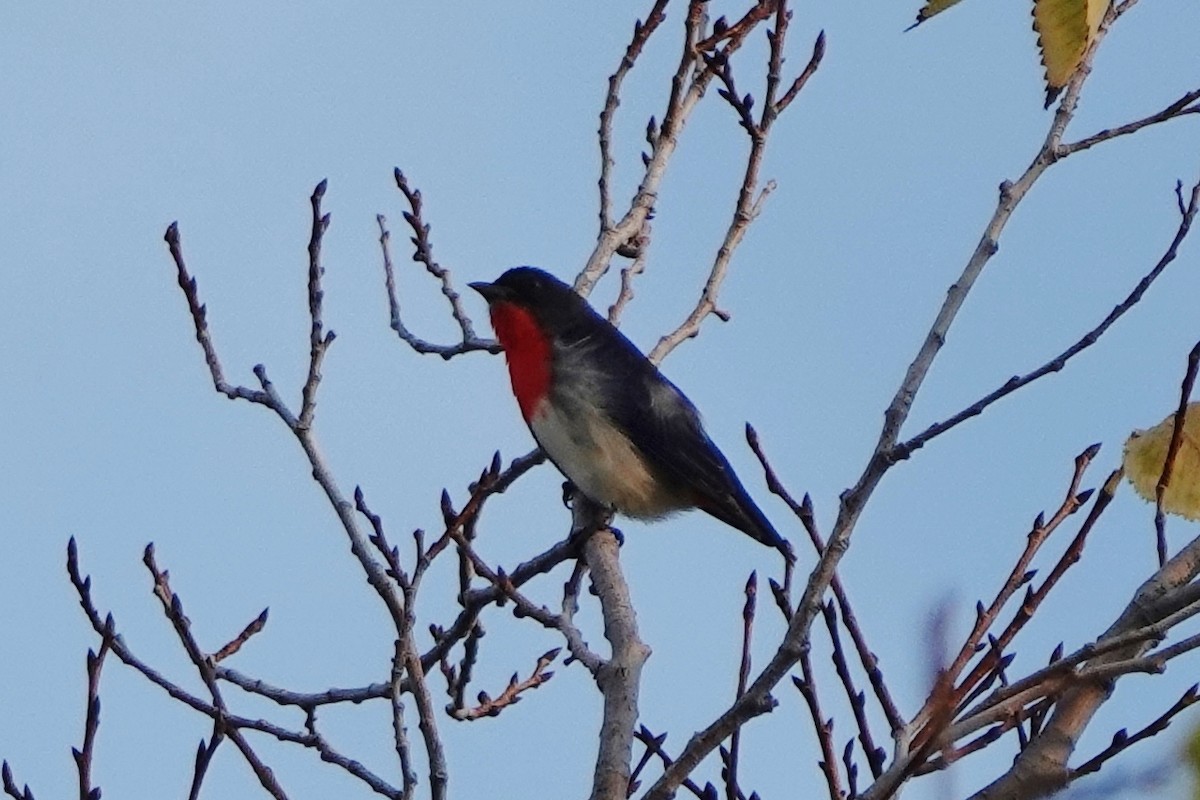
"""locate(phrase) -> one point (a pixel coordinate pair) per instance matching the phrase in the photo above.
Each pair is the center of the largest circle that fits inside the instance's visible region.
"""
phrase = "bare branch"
(1055, 364)
(654, 745)
(684, 96)
(1042, 766)
(750, 197)
(200, 320)
(173, 608)
(804, 512)
(1181, 107)
(627, 275)
(10, 785)
(1122, 740)
(619, 678)
(823, 727)
(256, 625)
(318, 340)
(492, 706)
(875, 755)
(1019, 576)
(642, 31)
(229, 723)
(801, 80)
(576, 646)
(732, 792)
(1164, 480)
(85, 754)
(423, 253)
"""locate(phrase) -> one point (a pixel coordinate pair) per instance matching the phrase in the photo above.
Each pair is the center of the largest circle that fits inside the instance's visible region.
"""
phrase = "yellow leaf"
(930, 8)
(1146, 452)
(1065, 28)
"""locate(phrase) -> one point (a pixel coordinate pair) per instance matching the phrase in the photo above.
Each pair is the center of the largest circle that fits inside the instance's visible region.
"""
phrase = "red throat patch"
(528, 353)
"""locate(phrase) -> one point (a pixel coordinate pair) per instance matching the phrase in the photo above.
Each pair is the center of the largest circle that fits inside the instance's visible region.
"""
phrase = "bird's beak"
(490, 291)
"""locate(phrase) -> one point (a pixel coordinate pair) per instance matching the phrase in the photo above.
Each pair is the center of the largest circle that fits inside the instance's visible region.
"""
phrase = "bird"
(617, 429)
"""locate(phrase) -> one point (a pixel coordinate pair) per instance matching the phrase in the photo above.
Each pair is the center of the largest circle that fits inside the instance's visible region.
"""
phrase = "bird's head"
(525, 298)
(531, 311)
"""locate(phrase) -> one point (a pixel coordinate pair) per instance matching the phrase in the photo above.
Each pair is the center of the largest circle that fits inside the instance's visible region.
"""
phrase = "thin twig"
(318, 339)
(642, 32)
(686, 90)
(875, 755)
(1177, 109)
(229, 722)
(732, 792)
(750, 198)
(256, 625)
(1121, 740)
(492, 706)
(84, 755)
(10, 785)
(823, 727)
(1164, 480)
(654, 745)
(1019, 576)
(423, 253)
(1188, 214)
(200, 321)
(804, 512)
(173, 608)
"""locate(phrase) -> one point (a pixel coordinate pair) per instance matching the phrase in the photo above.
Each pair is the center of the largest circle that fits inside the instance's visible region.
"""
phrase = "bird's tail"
(741, 512)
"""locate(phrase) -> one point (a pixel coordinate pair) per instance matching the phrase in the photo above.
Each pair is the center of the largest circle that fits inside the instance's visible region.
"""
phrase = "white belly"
(600, 461)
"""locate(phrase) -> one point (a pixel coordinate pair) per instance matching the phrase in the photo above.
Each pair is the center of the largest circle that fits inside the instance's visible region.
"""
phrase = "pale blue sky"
(124, 117)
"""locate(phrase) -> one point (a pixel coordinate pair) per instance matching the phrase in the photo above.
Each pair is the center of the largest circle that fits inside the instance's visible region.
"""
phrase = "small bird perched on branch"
(624, 435)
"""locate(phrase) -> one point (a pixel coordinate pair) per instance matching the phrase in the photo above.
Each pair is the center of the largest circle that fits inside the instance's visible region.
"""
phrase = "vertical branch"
(1185, 394)
(731, 779)
(83, 756)
(318, 340)
(682, 101)
(750, 198)
(641, 34)
(620, 677)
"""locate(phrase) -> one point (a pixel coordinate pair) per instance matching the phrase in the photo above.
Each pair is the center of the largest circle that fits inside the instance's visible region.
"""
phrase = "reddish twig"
(823, 727)
(255, 626)
(492, 706)
(1019, 576)
(723, 32)
(991, 661)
